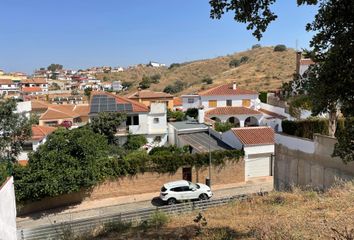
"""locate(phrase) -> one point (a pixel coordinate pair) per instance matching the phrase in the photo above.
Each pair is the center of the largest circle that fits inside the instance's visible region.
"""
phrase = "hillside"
(264, 70)
(279, 215)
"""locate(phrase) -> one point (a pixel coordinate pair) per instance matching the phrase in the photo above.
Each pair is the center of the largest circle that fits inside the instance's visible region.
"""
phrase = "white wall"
(295, 143)
(258, 149)
(274, 123)
(24, 107)
(8, 211)
(275, 109)
(236, 100)
(186, 105)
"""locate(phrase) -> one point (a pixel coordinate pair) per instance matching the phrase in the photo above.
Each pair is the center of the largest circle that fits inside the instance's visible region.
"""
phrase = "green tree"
(223, 127)
(67, 162)
(244, 59)
(234, 63)
(175, 115)
(15, 128)
(54, 67)
(135, 142)
(177, 86)
(126, 85)
(106, 123)
(145, 83)
(87, 92)
(207, 80)
(280, 48)
(255, 46)
(55, 86)
(192, 112)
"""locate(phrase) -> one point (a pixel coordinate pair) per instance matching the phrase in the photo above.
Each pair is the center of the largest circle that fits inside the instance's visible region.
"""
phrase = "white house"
(141, 120)
(8, 87)
(258, 144)
(35, 83)
(39, 136)
(155, 64)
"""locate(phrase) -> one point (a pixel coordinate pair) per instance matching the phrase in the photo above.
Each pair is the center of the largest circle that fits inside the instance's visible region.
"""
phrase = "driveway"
(117, 205)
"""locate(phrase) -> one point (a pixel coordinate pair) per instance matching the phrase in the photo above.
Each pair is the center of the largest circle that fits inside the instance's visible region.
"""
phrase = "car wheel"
(171, 201)
(203, 197)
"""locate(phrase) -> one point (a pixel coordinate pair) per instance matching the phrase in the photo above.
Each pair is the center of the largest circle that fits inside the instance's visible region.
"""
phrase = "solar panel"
(112, 107)
(94, 109)
(120, 108)
(103, 108)
(95, 100)
(128, 107)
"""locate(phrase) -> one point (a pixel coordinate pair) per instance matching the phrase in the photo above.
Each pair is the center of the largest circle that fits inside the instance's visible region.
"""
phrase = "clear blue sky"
(84, 33)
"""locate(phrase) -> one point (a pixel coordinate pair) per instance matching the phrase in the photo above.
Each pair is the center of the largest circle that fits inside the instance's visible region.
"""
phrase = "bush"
(256, 46)
(175, 115)
(280, 48)
(178, 86)
(234, 63)
(135, 142)
(192, 112)
(155, 78)
(263, 97)
(158, 219)
(145, 83)
(207, 80)
(305, 128)
(126, 85)
(244, 59)
(223, 127)
(174, 65)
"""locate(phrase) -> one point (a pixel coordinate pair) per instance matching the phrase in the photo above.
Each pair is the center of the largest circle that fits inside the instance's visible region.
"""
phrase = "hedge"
(263, 97)
(306, 128)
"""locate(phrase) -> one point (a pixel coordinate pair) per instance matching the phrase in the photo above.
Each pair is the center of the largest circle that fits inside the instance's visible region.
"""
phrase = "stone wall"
(232, 172)
(319, 170)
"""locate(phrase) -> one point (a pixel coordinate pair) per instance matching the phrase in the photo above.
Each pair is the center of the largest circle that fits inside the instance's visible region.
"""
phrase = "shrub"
(256, 46)
(244, 59)
(126, 85)
(280, 48)
(174, 65)
(158, 219)
(155, 78)
(145, 83)
(234, 63)
(223, 127)
(192, 112)
(305, 128)
(175, 115)
(178, 86)
(207, 80)
(263, 97)
(135, 142)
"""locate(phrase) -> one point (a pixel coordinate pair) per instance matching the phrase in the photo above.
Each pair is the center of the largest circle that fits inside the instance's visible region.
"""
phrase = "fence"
(82, 226)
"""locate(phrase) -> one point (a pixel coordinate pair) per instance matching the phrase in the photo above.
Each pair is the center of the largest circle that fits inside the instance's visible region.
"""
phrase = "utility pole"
(209, 157)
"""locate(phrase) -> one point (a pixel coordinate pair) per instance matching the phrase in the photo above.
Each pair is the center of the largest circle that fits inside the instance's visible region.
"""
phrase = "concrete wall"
(236, 100)
(141, 183)
(294, 166)
(7, 211)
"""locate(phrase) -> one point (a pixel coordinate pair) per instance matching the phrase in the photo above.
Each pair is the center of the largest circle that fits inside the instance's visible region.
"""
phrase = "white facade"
(8, 211)
(236, 100)
(24, 108)
(190, 101)
(8, 89)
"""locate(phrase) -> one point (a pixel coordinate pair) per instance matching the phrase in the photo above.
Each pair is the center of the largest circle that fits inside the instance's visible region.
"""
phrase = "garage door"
(257, 166)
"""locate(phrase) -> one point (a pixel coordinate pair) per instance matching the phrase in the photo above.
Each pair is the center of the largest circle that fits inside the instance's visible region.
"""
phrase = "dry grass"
(279, 215)
(264, 65)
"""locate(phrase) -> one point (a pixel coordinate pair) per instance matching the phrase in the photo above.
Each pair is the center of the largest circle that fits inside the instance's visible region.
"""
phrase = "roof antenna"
(296, 45)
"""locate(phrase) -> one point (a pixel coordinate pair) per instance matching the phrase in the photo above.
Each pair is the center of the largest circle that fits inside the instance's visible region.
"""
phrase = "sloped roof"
(148, 94)
(254, 135)
(232, 111)
(35, 81)
(65, 111)
(31, 89)
(136, 106)
(226, 89)
(82, 110)
(40, 132)
(39, 105)
(6, 82)
(273, 114)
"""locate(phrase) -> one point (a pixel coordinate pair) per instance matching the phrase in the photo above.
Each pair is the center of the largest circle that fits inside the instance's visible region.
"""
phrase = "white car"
(184, 190)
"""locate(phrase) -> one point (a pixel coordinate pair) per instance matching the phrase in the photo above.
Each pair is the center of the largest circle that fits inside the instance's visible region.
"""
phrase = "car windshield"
(193, 185)
(163, 189)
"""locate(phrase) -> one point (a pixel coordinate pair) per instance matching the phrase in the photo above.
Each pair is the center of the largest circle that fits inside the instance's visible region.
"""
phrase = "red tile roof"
(254, 135)
(31, 89)
(306, 61)
(39, 105)
(6, 82)
(40, 132)
(232, 111)
(65, 111)
(226, 90)
(149, 94)
(35, 81)
(177, 101)
(137, 107)
(273, 114)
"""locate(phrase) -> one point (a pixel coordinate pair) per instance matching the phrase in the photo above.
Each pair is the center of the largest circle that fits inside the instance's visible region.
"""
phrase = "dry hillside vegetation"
(278, 215)
(264, 70)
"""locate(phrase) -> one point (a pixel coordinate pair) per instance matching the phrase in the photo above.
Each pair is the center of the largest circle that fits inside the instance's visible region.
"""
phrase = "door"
(187, 174)
(246, 103)
(257, 165)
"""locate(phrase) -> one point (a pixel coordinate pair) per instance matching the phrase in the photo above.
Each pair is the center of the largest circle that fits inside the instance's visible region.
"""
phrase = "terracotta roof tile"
(232, 111)
(149, 94)
(35, 81)
(6, 82)
(62, 111)
(177, 101)
(39, 105)
(82, 110)
(23, 162)
(254, 135)
(40, 132)
(306, 61)
(226, 89)
(31, 89)
(137, 107)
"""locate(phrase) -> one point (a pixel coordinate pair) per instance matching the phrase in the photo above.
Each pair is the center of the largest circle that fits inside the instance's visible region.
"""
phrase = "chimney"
(201, 114)
(298, 59)
(234, 86)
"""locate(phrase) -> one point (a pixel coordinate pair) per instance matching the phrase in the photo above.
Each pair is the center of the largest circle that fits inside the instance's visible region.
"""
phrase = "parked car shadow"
(157, 202)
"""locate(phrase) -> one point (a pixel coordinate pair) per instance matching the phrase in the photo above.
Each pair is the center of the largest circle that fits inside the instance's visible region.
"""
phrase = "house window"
(157, 139)
(135, 120)
(51, 123)
(190, 100)
(246, 102)
(27, 146)
(229, 103)
(156, 120)
(213, 103)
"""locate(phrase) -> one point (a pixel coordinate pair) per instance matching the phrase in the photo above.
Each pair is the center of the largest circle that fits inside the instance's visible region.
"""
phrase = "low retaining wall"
(232, 172)
(309, 168)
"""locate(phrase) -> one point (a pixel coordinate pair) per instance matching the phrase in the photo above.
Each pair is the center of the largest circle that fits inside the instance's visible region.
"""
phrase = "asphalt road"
(57, 216)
